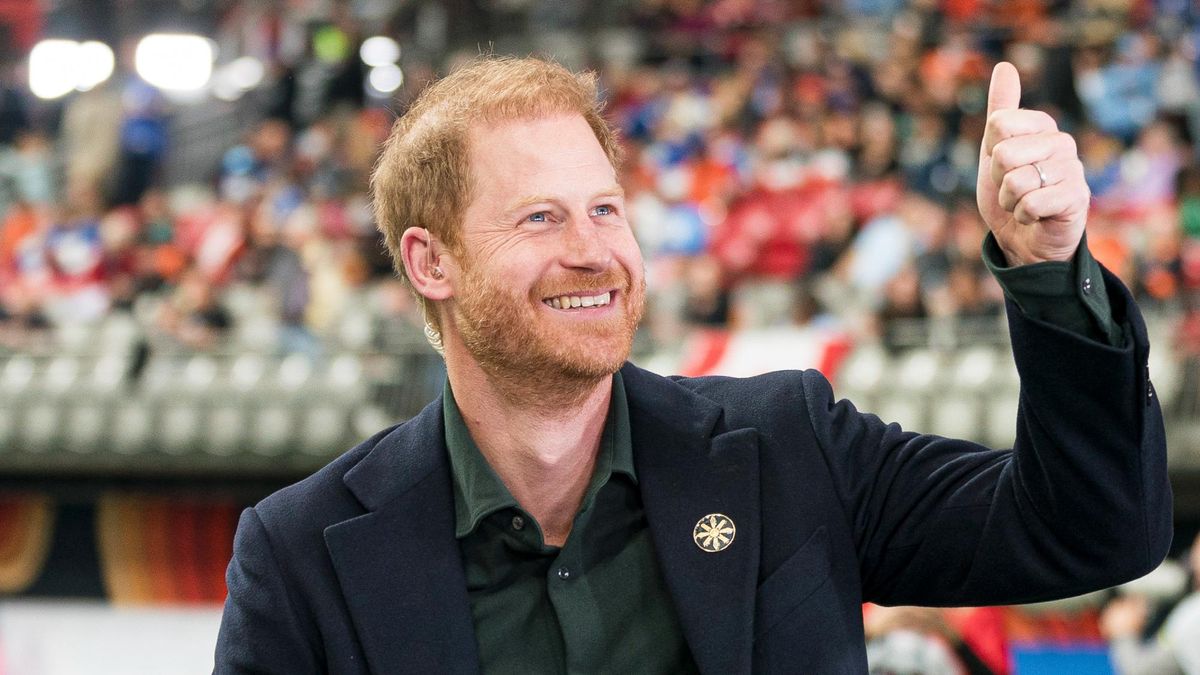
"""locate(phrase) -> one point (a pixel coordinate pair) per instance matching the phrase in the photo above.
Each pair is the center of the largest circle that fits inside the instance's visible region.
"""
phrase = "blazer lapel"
(685, 473)
(399, 564)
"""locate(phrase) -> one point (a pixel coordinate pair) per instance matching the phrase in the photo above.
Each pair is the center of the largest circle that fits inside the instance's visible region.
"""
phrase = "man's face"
(551, 281)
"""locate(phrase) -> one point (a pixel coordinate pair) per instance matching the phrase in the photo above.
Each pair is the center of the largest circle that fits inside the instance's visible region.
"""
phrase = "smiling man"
(559, 510)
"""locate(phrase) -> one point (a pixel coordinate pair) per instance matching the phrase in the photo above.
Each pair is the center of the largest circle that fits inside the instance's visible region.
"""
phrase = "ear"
(422, 263)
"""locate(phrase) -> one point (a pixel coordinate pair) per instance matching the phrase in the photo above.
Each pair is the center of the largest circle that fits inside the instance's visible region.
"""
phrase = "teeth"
(574, 301)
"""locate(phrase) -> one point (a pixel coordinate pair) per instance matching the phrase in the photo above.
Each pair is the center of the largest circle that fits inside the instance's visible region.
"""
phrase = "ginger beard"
(521, 342)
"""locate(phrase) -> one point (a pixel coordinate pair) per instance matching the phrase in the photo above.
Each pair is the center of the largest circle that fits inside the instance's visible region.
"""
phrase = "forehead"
(552, 149)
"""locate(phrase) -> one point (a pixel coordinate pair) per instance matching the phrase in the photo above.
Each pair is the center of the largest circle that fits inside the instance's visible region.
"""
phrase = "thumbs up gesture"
(1031, 190)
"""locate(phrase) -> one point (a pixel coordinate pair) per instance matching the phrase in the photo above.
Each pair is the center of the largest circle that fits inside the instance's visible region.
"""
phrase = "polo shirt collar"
(478, 490)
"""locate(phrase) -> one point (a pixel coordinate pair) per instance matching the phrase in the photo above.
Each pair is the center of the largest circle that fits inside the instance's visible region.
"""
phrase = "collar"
(479, 491)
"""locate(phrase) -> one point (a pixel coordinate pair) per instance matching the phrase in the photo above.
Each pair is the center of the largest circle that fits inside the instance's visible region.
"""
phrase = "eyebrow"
(615, 191)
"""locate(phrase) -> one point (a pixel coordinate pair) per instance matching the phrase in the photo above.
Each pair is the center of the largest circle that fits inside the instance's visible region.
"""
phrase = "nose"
(586, 247)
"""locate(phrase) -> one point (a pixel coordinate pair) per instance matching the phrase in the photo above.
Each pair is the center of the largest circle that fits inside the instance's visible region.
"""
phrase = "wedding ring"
(1041, 174)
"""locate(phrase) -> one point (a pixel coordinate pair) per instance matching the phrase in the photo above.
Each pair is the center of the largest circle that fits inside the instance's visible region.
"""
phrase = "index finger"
(1008, 123)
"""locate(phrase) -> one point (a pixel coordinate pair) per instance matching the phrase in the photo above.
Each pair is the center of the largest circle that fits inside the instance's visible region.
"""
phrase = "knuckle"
(1067, 142)
(1044, 119)
(1002, 155)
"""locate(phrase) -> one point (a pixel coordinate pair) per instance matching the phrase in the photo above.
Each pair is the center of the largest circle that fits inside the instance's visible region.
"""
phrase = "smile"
(576, 301)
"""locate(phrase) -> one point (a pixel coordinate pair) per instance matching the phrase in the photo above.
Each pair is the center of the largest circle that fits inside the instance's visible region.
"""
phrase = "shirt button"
(564, 573)
(518, 523)
(1087, 285)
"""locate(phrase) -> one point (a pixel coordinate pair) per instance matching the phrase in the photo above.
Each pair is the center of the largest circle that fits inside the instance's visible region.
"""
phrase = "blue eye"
(539, 217)
(604, 210)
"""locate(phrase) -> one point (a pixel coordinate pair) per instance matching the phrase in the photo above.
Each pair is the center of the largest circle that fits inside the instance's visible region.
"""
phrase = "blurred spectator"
(191, 316)
(1176, 647)
(919, 641)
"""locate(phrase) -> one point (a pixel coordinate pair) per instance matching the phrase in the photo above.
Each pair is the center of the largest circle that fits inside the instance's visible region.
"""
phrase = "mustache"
(581, 283)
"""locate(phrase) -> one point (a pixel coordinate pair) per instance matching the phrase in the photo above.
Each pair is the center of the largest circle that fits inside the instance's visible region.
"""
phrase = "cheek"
(630, 255)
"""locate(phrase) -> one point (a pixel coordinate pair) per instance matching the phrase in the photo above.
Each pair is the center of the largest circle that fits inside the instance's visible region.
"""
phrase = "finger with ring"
(1041, 174)
(1034, 176)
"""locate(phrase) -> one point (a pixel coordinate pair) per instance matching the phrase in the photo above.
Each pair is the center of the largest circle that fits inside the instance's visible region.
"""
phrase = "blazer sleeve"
(260, 631)
(1081, 502)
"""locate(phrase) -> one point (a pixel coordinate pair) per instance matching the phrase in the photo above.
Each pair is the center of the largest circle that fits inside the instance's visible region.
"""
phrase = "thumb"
(1004, 93)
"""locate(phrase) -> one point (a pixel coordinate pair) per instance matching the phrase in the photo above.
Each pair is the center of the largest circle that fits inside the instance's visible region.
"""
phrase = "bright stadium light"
(379, 51)
(386, 79)
(232, 80)
(174, 62)
(246, 72)
(95, 64)
(53, 68)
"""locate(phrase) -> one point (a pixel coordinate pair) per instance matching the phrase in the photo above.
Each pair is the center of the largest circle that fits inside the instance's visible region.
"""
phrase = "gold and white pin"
(714, 532)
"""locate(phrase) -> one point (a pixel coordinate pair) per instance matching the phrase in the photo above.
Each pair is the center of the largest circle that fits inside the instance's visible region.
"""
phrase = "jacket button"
(1087, 285)
(564, 573)
(518, 523)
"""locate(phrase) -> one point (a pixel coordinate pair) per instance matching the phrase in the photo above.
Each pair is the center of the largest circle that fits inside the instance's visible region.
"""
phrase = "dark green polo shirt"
(599, 603)
(596, 605)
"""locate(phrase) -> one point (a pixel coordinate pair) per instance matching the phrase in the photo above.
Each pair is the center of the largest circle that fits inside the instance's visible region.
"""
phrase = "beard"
(524, 348)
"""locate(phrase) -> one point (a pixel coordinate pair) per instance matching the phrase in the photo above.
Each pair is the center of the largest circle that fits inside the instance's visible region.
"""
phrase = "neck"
(541, 439)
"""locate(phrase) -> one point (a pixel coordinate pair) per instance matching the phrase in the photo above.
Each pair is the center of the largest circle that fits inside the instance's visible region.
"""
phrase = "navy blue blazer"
(356, 569)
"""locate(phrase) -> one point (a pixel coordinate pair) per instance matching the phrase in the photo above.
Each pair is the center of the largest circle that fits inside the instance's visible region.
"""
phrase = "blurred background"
(196, 309)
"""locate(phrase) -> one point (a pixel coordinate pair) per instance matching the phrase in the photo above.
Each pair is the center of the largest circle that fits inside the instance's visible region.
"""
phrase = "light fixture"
(386, 79)
(53, 68)
(379, 51)
(174, 62)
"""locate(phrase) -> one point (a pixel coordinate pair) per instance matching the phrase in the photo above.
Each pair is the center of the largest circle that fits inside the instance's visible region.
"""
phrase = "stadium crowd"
(786, 164)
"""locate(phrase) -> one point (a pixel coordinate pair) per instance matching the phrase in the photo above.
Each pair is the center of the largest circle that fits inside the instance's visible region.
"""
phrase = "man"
(559, 510)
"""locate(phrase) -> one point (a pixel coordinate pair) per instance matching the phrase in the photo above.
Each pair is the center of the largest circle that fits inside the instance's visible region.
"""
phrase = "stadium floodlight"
(96, 64)
(246, 72)
(175, 62)
(385, 79)
(53, 68)
(58, 67)
(379, 51)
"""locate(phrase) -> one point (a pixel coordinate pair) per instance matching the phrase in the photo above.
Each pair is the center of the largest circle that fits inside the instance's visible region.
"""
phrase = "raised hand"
(1031, 190)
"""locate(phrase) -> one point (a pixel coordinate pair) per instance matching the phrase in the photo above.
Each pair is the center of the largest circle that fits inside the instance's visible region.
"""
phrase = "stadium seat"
(1165, 374)
(323, 431)
(975, 368)
(225, 431)
(293, 373)
(904, 408)
(954, 415)
(369, 420)
(178, 429)
(917, 371)
(199, 375)
(17, 376)
(1000, 424)
(8, 427)
(271, 430)
(108, 374)
(84, 428)
(62, 372)
(356, 330)
(118, 334)
(132, 423)
(247, 372)
(40, 426)
(344, 377)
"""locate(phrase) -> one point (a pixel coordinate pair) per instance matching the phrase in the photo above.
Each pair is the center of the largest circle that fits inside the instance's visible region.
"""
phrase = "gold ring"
(1041, 174)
